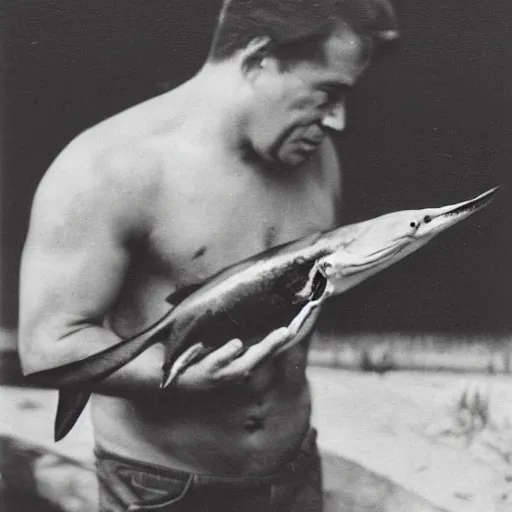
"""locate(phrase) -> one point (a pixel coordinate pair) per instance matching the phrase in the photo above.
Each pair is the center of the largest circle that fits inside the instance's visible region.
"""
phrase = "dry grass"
(479, 419)
(472, 410)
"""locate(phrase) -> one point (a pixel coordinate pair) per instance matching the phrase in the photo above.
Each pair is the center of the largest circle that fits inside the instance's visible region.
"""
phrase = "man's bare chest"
(203, 229)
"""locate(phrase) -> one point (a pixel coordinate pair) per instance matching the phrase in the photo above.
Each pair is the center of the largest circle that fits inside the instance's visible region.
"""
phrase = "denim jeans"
(129, 486)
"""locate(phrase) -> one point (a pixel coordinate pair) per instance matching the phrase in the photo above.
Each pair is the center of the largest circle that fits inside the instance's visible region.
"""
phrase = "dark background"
(430, 125)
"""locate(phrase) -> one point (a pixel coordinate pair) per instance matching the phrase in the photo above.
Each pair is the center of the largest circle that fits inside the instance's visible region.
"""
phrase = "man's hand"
(230, 363)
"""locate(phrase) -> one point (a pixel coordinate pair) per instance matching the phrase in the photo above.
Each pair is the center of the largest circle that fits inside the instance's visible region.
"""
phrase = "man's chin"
(295, 158)
(289, 159)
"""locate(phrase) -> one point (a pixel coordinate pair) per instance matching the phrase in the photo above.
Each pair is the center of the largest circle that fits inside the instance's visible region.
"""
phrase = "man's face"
(295, 107)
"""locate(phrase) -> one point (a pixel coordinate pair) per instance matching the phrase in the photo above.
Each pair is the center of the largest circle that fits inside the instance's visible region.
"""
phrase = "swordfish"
(279, 287)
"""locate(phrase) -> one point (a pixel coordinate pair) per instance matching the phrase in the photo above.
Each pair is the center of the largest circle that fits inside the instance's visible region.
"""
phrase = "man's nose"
(335, 117)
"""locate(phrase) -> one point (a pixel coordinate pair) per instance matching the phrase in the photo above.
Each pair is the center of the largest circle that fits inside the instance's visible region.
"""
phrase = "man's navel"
(200, 252)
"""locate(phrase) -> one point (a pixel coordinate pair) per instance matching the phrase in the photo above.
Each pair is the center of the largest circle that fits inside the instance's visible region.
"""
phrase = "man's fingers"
(259, 352)
(230, 362)
(275, 339)
(225, 354)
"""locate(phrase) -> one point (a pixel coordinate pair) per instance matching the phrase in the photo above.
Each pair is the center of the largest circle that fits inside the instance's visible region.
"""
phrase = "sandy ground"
(410, 427)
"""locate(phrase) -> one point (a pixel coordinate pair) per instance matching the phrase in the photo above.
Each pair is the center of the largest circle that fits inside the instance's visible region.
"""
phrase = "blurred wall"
(430, 124)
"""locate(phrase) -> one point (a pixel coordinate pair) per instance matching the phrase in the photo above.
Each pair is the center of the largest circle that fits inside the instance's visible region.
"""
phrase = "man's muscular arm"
(85, 218)
(74, 263)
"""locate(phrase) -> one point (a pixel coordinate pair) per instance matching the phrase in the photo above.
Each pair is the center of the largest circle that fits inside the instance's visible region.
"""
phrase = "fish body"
(279, 287)
(284, 285)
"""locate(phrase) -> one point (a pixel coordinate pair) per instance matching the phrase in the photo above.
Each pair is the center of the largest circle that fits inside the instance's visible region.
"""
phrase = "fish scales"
(270, 300)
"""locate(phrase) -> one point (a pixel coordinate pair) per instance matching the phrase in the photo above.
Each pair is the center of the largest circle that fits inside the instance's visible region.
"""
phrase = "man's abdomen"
(248, 428)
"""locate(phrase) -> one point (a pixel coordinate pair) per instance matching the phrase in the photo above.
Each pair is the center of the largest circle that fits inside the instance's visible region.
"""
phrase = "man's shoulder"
(125, 153)
(94, 161)
(111, 183)
(93, 151)
(127, 176)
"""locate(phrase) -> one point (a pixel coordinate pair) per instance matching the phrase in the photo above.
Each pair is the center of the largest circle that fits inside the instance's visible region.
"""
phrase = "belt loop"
(152, 506)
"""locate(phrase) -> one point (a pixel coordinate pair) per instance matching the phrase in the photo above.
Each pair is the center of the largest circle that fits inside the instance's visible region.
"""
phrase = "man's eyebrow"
(335, 86)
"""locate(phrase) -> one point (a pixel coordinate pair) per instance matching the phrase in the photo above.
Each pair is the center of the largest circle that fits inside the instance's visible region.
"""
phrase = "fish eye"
(412, 224)
(427, 219)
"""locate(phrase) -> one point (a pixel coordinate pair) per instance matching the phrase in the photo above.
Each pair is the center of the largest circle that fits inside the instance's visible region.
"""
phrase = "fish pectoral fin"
(72, 402)
(298, 321)
(193, 353)
(296, 324)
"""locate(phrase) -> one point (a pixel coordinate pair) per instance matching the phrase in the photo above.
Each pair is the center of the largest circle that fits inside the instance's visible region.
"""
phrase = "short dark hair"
(298, 27)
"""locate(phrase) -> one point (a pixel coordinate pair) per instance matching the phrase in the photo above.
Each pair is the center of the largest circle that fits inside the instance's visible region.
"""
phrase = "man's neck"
(217, 100)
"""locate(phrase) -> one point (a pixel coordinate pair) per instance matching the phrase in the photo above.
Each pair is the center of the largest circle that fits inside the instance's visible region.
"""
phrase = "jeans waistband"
(297, 465)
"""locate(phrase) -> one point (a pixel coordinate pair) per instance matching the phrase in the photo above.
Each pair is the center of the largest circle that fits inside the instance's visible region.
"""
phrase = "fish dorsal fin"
(182, 293)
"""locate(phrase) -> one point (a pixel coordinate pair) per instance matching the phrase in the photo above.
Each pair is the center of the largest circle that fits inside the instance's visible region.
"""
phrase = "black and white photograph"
(255, 256)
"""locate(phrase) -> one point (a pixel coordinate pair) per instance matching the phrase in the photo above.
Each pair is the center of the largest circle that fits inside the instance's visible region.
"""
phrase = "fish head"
(361, 250)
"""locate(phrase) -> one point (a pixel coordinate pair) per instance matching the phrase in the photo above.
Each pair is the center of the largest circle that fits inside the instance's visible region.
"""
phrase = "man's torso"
(210, 210)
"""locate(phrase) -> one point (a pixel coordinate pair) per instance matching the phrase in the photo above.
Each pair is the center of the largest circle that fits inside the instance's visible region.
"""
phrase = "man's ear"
(257, 55)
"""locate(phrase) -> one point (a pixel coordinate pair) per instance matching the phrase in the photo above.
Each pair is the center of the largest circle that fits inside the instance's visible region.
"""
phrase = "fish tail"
(72, 402)
(73, 397)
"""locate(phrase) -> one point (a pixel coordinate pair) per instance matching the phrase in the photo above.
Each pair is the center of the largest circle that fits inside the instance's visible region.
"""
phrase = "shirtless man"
(165, 194)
